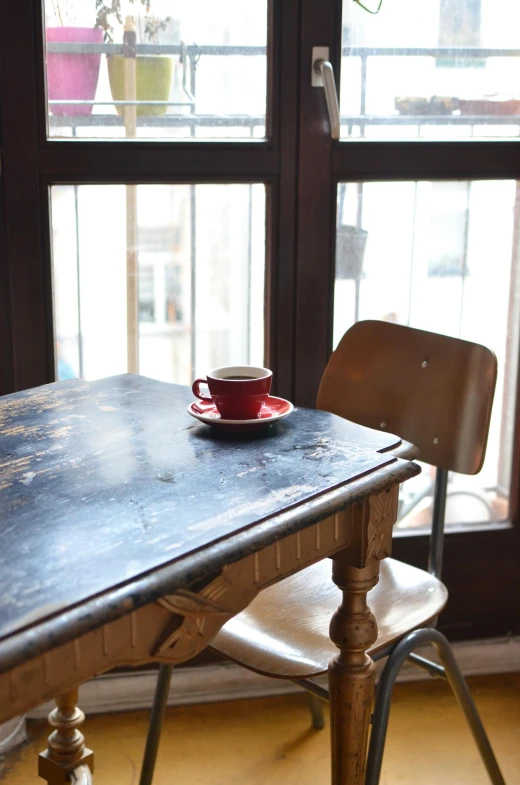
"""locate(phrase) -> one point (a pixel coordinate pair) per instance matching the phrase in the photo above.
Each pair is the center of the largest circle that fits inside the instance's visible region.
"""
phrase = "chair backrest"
(432, 390)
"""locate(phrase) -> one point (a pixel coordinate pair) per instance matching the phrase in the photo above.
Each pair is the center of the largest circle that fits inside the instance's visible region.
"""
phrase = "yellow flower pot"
(153, 82)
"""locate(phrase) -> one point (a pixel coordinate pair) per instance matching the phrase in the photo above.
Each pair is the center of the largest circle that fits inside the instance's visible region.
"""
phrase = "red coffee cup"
(238, 391)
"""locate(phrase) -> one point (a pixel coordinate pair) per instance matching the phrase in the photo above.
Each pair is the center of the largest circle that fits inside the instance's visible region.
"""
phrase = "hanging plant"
(368, 9)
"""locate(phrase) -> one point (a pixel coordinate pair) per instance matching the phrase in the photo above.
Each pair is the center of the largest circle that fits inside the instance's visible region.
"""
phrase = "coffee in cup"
(238, 391)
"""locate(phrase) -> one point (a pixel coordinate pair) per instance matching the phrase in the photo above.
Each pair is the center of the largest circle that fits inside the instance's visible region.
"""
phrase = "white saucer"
(273, 410)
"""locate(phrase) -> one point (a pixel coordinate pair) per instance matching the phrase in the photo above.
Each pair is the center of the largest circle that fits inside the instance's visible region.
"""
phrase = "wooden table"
(130, 533)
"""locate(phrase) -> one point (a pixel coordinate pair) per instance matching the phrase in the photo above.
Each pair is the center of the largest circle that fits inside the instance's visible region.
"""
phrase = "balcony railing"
(190, 56)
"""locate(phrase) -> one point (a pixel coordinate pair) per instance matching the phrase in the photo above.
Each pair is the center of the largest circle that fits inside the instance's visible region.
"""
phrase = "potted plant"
(154, 73)
(71, 76)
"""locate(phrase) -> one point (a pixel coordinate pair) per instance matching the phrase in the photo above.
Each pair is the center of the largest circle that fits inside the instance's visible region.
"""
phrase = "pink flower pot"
(72, 77)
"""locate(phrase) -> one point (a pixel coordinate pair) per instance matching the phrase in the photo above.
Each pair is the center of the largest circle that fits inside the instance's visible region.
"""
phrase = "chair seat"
(284, 633)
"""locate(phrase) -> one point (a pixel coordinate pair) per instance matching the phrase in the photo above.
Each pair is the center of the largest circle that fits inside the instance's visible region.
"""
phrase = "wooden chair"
(436, 392)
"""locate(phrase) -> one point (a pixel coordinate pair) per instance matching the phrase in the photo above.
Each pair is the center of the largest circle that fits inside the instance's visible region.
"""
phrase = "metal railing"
(190, 55)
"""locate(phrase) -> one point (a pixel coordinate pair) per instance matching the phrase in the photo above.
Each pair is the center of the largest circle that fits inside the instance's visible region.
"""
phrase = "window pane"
(197, 69)
(435, 69)
(444, 257)
(162, 280)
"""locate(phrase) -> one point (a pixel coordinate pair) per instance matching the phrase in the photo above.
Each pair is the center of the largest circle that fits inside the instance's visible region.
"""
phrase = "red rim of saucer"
(273, 410)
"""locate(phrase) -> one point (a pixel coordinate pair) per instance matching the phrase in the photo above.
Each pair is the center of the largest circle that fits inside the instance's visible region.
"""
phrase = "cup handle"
(197, 393)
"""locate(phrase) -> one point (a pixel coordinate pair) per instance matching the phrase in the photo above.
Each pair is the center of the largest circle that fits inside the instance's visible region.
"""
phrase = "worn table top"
(110, 492)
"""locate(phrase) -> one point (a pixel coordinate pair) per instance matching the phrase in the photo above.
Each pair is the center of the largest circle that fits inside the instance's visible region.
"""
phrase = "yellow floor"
(267, 741)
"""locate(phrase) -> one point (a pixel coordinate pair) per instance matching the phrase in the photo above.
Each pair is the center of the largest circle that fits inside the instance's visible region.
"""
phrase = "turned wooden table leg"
(352, 674)
(65, 746)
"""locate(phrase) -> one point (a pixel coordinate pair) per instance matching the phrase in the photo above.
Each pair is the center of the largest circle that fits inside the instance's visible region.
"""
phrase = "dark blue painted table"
(129, 532)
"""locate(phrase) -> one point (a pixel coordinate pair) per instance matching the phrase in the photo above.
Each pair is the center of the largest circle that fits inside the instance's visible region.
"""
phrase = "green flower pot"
(153, 82)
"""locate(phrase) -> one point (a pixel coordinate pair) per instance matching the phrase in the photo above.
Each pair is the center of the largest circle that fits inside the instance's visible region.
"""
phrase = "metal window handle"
(323, 76)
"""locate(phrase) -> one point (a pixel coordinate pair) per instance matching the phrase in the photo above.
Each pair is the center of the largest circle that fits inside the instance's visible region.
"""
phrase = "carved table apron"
(131, 534)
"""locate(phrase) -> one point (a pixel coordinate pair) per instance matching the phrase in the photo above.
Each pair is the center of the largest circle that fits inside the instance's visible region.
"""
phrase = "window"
(125, 70)
(169, 235)
(451, 71)
(167, 277)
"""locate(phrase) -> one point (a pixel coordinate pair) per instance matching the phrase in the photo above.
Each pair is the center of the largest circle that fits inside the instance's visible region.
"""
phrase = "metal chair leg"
(458, 685)
(154, 729)
(381, 711)
(463, 695)
(316, 710)
(315, 696)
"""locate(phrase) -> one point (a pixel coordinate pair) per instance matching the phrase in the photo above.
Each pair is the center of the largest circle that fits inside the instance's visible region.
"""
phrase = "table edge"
(42, 636)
